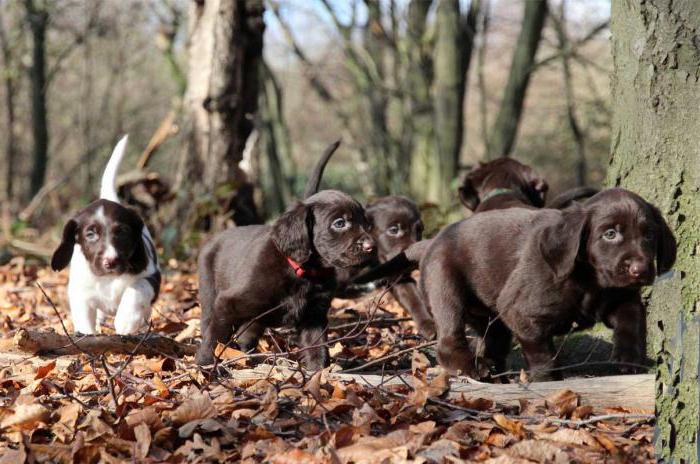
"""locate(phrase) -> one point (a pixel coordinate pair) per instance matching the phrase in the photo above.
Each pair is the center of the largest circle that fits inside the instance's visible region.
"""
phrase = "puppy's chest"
(100, 292)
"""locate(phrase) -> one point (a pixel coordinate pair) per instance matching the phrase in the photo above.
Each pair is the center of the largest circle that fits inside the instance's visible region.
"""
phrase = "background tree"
(505, 128)
(38, 19)
(224, 55)
(9, 47)
(655, 135)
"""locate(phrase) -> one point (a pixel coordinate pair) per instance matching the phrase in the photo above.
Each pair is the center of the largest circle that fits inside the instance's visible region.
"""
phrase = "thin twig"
(387, 357)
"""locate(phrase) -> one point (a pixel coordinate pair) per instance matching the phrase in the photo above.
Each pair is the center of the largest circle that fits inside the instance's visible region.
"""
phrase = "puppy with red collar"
(113, 263)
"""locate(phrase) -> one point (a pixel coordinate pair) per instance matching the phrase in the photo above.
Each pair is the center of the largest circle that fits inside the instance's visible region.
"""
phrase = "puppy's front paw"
(427, 329)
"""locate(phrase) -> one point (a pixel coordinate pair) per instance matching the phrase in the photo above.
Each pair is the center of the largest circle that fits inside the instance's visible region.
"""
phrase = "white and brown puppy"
(113, 264)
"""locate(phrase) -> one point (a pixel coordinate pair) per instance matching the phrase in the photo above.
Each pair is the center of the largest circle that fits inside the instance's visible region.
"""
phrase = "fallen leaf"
(44, 370)
(563, 402)
(539, 451)
(224, 352)
(199, 407)
(25, 417)
(143, 440)
(514, 427)
(147, 415)
(582, 412)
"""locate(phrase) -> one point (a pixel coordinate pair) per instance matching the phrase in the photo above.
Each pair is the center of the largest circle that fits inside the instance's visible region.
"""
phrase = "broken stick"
(53, 343)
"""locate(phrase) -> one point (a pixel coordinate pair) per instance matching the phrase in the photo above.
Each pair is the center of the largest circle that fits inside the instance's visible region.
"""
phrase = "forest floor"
(121, 407)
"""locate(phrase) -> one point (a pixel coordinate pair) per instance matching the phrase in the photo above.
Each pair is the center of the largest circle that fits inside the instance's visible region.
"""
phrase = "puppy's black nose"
(109, 263)
(638, 268)
(367, 245)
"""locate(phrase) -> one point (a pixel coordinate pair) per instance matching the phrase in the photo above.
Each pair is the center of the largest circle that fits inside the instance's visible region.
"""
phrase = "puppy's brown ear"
(292, 233)
(62, 256)
(665, 244)
(468, 195)
(561, 241)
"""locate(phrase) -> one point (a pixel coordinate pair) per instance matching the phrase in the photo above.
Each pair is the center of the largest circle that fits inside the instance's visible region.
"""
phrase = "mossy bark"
(656, 152)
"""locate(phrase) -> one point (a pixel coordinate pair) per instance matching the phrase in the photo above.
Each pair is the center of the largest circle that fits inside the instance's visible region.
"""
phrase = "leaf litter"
(162, 409)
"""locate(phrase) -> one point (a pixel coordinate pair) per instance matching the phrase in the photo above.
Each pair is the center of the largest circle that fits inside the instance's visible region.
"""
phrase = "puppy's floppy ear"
(292, 233)
(63, 254)
(665, 243)
(468, 195)
(561, 241)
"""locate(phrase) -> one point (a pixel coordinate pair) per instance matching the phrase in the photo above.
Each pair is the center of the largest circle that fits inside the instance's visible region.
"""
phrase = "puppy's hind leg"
(134, 309)
(447, 306)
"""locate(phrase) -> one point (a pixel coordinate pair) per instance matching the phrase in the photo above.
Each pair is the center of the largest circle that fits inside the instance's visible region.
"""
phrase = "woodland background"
(485, 78)
(228, 104)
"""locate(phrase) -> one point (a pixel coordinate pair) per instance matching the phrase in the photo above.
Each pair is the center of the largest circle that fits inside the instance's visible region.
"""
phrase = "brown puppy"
(540, 271)
(255, 277)
(502, 183)
(397, 224)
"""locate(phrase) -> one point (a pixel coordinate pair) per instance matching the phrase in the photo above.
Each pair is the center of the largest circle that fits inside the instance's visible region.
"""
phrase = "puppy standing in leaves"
(285, 274)
(113, 264)
(396, 224)
(539, 272)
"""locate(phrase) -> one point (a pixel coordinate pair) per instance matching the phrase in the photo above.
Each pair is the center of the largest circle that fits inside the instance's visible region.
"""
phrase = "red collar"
(298, 270)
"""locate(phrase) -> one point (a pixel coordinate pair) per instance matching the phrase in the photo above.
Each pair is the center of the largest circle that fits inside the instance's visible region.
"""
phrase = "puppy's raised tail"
(315, 178)
(108, 189)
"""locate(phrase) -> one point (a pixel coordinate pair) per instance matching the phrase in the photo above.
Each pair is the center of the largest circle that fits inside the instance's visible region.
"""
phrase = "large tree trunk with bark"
(655, 152)
(38, 18)
(224, 54)
(505, 129)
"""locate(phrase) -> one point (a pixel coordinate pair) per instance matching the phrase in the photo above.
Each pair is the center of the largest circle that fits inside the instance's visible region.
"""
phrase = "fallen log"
(630, 391)
(53, 343)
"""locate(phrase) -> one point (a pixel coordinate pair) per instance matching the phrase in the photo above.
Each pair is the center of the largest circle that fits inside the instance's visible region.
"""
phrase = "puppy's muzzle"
(365, 245)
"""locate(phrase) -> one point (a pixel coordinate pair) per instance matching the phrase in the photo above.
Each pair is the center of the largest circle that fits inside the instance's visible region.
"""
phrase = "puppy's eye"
(649, 236)
(394, 230)
(611, 235)
(91, 235)
(340, 224)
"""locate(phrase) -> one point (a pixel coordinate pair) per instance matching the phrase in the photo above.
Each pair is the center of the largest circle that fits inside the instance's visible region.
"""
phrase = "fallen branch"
(632, 391)
(53, 343)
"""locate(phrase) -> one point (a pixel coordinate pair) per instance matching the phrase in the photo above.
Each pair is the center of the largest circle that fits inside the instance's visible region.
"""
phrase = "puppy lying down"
(255, 277)
(113, 264)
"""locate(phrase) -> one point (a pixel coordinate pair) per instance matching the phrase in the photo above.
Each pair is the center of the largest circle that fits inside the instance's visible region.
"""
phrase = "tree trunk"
(453, 50)
(225, 49)
(574, 126)
(655, 140)
(275, 136)
(10, 89)
(505, 129)
(38, 17)
(419, 128)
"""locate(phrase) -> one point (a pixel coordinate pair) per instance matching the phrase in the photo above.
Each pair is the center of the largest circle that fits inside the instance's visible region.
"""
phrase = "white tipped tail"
(108, 189)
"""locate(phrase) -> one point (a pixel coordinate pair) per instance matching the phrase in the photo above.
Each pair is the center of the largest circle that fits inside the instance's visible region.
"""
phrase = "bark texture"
(453, 49)
(224, 54)
(505, 129)
(656, 152)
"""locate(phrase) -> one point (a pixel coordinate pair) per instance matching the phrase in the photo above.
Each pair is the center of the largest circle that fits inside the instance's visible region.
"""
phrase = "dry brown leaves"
(62, 410)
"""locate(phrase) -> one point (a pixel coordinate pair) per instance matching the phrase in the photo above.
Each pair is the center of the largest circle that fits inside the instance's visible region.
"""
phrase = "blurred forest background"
(228, 103)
